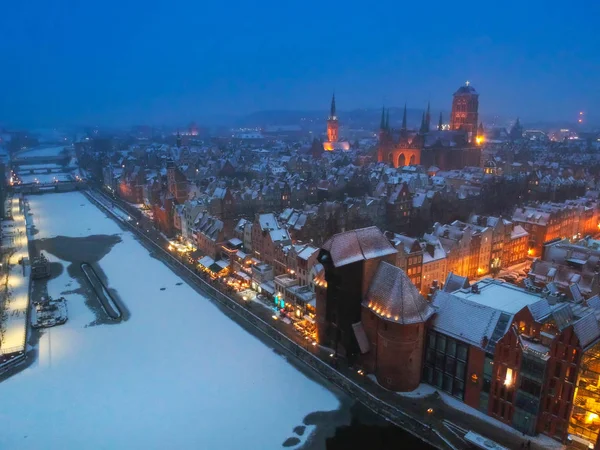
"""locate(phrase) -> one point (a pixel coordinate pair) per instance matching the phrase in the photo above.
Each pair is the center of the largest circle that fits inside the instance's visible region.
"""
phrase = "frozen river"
(177, 374)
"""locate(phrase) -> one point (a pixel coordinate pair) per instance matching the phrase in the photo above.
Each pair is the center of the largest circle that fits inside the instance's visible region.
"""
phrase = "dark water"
(368, 431)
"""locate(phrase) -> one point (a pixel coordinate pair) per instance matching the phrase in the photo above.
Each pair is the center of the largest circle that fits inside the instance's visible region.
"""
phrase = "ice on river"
(178, 374)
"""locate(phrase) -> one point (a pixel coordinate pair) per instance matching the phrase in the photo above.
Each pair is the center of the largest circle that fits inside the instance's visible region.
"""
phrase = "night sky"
(125, 62)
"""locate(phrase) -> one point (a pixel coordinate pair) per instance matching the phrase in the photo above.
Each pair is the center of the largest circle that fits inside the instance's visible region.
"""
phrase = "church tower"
(465, 106)
(332, 123)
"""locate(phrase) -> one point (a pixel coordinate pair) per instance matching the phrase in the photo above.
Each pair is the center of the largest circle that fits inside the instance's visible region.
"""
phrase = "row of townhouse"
(471, 249)
(547, 221)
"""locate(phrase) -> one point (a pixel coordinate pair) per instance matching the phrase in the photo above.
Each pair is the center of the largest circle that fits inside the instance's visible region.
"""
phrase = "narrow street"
(15, 288)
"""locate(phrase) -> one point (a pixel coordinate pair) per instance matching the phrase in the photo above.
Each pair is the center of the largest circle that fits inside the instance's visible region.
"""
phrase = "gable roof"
(455, 282)
(357, 245)
(587, 329)
(468, 321)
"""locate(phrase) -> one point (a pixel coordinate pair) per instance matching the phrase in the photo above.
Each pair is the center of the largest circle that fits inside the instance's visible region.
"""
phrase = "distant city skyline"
(135, 63)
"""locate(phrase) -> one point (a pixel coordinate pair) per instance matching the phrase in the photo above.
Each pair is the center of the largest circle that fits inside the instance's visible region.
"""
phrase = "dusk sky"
(126, 62)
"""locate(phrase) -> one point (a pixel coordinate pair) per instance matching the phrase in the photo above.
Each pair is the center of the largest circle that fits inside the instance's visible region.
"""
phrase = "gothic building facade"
(446, 149)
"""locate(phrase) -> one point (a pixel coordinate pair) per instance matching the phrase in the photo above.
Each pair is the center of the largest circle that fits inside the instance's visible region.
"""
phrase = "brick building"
(209, 234)
(350, 260)
(394, 319)
(267, 234)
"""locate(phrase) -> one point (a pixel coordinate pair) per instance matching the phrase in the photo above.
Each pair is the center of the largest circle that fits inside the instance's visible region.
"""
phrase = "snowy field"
(178, 374)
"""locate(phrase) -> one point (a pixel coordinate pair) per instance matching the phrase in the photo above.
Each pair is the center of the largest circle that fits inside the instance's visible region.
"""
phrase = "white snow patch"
(177, 374)
(422, 391)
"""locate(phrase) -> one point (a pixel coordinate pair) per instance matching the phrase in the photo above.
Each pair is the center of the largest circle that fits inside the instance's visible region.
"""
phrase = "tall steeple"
(387, 120)
(333, 125)
(428, 117)
(382, 123)
(332, 112)
(440, 123)
(423, 128)
(404, 119)
(178, 139)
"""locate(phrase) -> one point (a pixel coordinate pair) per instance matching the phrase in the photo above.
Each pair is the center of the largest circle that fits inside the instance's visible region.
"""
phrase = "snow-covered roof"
(392, 296)
(451, 312)
(356, 245)
(502, 296)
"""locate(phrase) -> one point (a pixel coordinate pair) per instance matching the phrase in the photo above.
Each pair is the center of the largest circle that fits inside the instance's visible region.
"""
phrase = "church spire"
(428, 117)
(440, 123)
(423, 128)
(382, 123)
(332, 112)
(404, 119)
(387, 120)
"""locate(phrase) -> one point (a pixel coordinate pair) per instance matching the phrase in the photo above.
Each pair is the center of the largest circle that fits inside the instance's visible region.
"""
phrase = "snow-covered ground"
(425, 390)
(44, 178)
(178, 374)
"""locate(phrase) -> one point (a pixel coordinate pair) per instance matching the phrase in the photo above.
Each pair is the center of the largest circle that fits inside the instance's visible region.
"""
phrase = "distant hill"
(367, 118)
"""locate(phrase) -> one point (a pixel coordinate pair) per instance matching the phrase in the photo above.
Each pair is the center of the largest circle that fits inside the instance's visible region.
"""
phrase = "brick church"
(454, 148)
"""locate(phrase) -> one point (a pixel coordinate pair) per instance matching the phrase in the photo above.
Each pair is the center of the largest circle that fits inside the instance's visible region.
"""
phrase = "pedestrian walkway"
(15, 280)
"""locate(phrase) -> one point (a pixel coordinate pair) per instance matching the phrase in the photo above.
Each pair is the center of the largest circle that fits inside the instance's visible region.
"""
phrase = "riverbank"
(427, 417)
(177, 373)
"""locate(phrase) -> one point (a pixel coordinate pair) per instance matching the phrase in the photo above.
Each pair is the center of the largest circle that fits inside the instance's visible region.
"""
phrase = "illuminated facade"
(332, 123)
(533, 365)
(531, 361)
(547, 221)
(406, 151)
(446, 149)
(333, 127)
(465, 107)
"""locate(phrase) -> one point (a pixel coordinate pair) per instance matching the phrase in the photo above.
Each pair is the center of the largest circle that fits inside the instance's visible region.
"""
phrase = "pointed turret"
(403, 128)
(423, 128)
(516, 131)
(428, 117)
(332, 123)
(382, 123)
(332, 112)
(440, 122)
